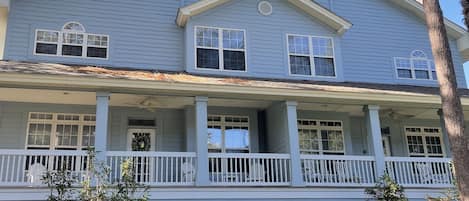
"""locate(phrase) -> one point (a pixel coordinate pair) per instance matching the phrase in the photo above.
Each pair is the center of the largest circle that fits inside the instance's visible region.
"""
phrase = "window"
(321, 137)
(424, 142)
(220, 49)
(71, 41)
(228, 134)
(60, 131)
(311, 56)
(418, 66)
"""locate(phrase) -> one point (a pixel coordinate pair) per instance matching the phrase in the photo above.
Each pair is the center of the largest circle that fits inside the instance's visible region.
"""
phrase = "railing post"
(201, 135)
(444, 133)
(293, 142)
(374, 133)
(102, 115)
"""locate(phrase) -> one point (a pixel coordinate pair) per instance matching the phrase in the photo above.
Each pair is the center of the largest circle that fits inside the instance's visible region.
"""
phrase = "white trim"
(310, 7)
(53, 135)
(60, 43)
(220, 48)
(413, 69)
(311, 56)
(424, 143)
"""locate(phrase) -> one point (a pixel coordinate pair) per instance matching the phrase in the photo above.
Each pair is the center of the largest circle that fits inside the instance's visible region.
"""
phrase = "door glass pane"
(236, 137)
(214, 138)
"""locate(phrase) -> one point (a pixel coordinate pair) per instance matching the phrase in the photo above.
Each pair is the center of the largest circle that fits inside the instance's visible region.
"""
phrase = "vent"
(265, 8)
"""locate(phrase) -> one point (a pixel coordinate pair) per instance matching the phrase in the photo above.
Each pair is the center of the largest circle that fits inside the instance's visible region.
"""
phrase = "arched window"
(418, 54)
(418, 66)
(73, 41)
(73, 27)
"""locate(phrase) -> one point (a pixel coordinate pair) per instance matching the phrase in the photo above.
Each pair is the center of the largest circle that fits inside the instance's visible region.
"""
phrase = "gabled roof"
(452, 28)
(312, 8)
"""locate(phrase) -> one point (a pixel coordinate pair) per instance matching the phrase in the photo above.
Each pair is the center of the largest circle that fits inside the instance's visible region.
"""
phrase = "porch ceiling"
(117, 99)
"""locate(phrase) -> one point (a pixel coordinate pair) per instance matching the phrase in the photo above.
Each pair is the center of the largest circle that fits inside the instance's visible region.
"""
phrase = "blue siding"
(143, 34)
(265, 37)
(381, 30)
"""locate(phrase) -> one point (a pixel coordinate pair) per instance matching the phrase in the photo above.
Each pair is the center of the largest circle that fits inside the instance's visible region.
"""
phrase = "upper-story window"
(73, 41)
(418, 67)
(220, 49)
(311, 56)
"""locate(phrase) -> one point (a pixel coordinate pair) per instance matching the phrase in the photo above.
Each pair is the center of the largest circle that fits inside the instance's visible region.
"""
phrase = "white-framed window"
(311, 55)
(71, 41)
(321, 137)
(424, 142)
(228, 134)
(417, 67)
(60, 131)
(220, 48)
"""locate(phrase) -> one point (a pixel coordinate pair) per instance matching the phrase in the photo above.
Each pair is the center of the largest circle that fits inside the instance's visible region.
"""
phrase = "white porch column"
(102, 115)
(294, 144)
(444, 133)
(201, 136)
(374, 133)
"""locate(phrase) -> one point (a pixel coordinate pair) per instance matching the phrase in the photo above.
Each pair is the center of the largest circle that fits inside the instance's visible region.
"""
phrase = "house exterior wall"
(267, 54)
(144, 35)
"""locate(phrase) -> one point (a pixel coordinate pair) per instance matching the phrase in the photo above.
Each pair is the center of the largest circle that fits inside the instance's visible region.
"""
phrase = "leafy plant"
(128, 189)
(60, 184)
(386, 189)
(452, 194)
(95, 186)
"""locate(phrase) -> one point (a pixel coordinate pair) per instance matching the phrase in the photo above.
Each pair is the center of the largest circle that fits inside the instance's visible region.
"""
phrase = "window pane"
(300, 65)
(434, 75)
(433, 145)
(72, 38)
(39, 134)
(298, 45)
(421, 74)
(234, 60)
(322, 47)
(332, 140)
(214, 137)
(42, 48)
(71, 50)
(88, 136)
(74, 27)
(236, 137)
(47, 36)
(309, 141)
(233, 39)
(67, 135)
(97, 40)
(404, 73)
(96, 52)
(207, 58)
(402, 63)
(207, 37)
(420, 64)
(415, 145)
(324, 66)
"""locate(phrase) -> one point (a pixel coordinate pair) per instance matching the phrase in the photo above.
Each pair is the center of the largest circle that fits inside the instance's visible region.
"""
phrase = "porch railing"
(421, 172)
(155, 168)
(249, 169)
(330, 170)
(27, 167)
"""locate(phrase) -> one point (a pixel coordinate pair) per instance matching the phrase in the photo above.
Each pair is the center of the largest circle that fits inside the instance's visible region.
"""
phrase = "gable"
(310, 7)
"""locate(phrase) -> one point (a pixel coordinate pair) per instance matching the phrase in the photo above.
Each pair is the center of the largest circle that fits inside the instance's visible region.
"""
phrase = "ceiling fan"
(148, 103)
(394, 115)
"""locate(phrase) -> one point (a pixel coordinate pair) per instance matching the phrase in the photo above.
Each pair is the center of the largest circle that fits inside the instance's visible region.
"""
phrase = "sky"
(452, 10)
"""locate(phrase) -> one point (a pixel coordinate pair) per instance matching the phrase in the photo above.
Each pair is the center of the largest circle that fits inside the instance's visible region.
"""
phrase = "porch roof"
(61, 70)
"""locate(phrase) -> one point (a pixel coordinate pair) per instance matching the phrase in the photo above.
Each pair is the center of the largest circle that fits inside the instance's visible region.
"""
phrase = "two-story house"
(225, 99)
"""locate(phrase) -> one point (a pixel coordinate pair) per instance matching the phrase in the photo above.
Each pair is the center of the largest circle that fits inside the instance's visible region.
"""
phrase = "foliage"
(386, 189)
(127, 189)
(452, 194)
(96, 185)
(60, 184)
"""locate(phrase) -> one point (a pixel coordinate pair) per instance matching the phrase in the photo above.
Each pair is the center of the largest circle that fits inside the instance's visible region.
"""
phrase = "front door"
(142, 140)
